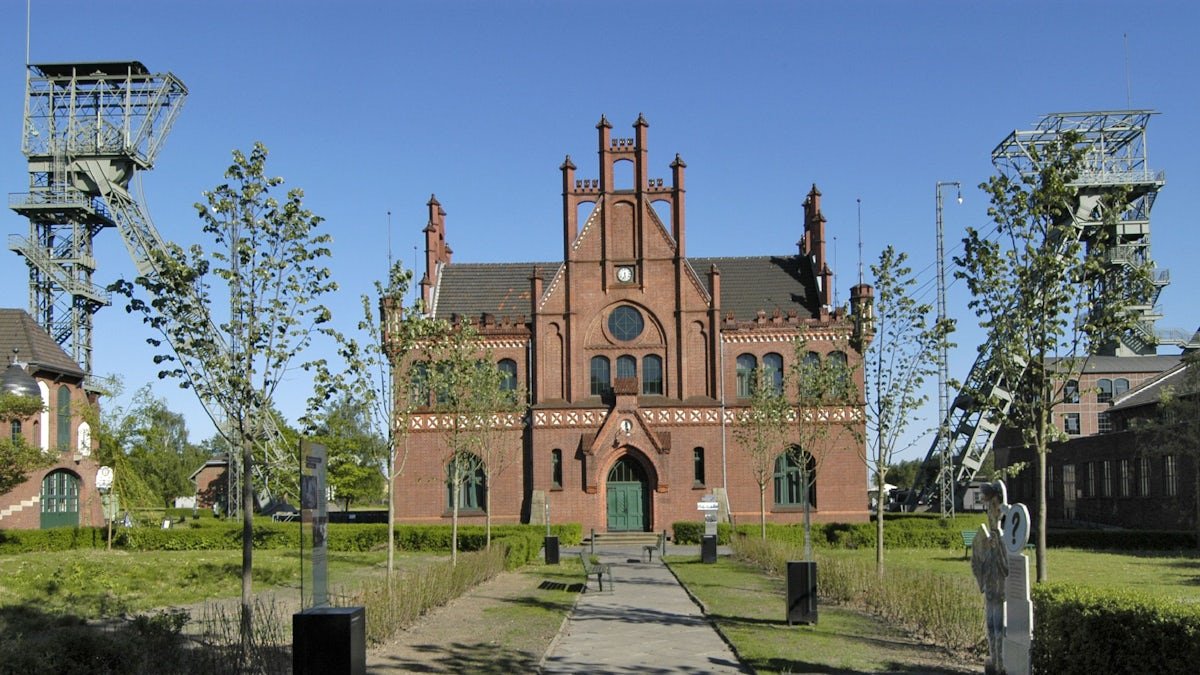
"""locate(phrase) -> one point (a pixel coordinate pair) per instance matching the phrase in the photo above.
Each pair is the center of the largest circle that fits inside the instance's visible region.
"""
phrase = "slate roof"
(502, 289)
(1129, 364)
(35, 347)
(748, 284)
(1150, 391)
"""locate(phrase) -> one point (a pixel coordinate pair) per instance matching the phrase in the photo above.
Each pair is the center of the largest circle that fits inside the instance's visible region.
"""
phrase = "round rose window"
(625, 323)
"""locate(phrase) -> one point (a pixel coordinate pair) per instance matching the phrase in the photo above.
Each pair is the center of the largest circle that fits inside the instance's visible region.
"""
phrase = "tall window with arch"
(601, 381)
(63, 420)
(626, 367)
(508, 375)
(747, 371)
(1104, 390)
(773, 372)
(1071, 391)
(652, 375)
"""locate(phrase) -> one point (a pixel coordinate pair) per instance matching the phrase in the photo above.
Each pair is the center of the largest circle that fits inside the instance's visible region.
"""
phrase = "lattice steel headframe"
(1114, 158)
(88, 129)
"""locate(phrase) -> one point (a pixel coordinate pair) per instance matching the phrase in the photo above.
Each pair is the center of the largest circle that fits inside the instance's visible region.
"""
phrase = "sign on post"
(314, 521)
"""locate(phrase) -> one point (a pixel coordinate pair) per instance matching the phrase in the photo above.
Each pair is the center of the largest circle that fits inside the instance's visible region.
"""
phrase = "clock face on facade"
(624, 274)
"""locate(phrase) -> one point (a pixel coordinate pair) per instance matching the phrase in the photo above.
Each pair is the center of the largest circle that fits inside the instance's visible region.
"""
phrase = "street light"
(946, 472)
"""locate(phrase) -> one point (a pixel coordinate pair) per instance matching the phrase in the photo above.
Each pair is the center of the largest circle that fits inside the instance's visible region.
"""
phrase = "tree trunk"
(762, 510)
(247, 618)
(1040, 549)
(391, 520)
(487, 511)
(880, 481)
(808, 552)
(454, 488)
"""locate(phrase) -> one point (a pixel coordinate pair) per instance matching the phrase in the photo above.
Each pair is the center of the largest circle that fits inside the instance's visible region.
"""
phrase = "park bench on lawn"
(601, 570)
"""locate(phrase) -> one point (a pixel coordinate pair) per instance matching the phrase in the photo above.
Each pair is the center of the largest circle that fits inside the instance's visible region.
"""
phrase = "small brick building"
(637, 360)
(63, 494)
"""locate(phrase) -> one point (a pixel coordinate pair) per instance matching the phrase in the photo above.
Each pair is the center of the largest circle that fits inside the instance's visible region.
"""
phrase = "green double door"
(60, 500)
(628, 508)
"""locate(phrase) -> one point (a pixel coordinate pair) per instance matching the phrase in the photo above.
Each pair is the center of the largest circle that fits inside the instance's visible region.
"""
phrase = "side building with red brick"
(638, 362)
(63, 493)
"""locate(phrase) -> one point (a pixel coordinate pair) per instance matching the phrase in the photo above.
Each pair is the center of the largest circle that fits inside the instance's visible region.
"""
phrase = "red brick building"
(637, 360)
(63, 494)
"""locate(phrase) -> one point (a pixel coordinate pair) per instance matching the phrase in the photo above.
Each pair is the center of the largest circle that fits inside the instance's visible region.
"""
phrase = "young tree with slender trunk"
(903, 352)
(267, 261)
(822, 395)
(378, 376)
(761, 430)
(1045, 290)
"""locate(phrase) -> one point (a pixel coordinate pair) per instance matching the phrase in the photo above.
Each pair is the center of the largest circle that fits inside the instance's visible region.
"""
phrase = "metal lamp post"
(946, 469)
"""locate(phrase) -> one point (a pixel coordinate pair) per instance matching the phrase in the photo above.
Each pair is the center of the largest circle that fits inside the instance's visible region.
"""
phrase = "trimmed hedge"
(218, 535)
(1122, 540)
(907, 532)
(1086, 631)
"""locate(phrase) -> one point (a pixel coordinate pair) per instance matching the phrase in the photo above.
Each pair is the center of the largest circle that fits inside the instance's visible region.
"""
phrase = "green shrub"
(57, 539)
(1086, 630)
(214, 534)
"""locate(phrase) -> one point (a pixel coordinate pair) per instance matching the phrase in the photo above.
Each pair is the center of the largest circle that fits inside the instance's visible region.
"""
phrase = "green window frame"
(789, 484)
(652, 375)
(747, 369)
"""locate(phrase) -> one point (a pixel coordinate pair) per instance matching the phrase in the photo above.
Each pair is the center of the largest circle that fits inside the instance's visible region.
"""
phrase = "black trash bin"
(551, 546)
(708, 548)
(801, 592)
(330, 641)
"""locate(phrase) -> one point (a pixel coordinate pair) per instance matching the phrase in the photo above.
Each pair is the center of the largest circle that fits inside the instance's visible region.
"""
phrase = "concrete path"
(644, 623)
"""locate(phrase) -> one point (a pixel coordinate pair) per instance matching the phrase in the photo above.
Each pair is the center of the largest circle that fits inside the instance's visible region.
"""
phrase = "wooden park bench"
(601, 570)
(968, 538)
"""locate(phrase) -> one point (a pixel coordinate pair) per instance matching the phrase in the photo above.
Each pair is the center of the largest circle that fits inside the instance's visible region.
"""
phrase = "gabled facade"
(63, 494)
(637, 358)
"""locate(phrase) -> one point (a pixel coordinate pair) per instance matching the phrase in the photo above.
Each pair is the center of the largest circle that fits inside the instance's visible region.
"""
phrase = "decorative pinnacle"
(567, 164)
(603, 122)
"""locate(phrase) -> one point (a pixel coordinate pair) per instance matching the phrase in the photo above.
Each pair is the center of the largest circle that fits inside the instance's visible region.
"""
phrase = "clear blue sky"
(372, 106)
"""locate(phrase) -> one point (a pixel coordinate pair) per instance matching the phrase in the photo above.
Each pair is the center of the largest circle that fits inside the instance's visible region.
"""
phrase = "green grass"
(748, 607)
(92, 583)
(1172, 575)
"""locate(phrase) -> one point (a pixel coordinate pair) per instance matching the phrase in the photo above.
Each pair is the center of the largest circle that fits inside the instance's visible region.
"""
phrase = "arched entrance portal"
(60, 500)
(628, 497)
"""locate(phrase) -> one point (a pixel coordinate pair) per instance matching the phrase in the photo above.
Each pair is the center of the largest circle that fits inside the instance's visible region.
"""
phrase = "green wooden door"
(627, 493)
(60, 500)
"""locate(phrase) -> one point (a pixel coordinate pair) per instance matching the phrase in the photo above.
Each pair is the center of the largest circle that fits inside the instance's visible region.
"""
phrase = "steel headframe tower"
(88, 129)
(1115, 161)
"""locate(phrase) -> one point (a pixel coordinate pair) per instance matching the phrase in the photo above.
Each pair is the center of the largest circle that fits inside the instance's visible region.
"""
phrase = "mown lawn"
(748, 606)
(92, 583)
(1164, 574)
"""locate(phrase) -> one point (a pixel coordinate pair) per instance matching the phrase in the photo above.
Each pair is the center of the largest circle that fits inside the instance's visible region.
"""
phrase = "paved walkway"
(644, 623)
